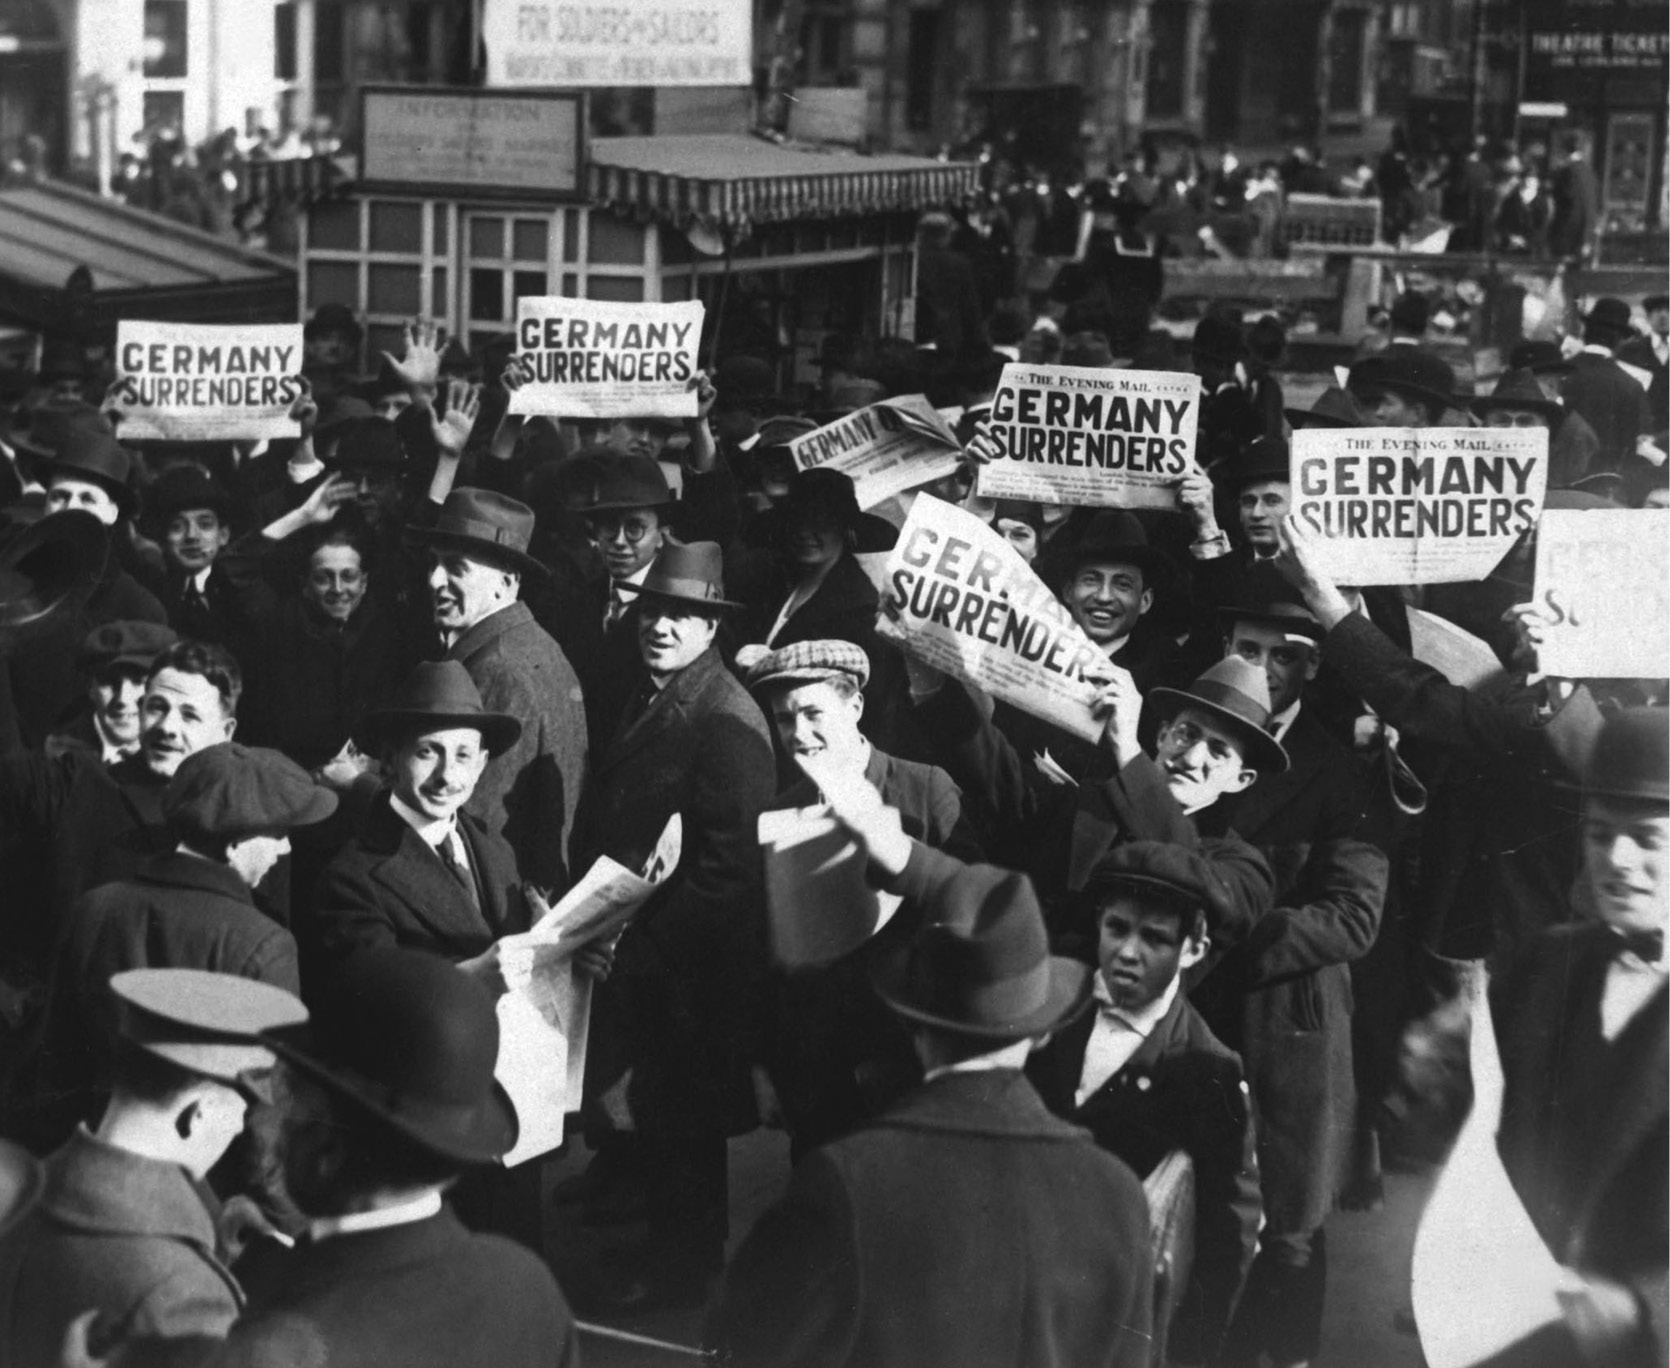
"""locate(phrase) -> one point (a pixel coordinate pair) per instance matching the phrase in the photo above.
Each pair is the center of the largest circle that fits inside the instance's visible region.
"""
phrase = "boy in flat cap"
(116, 658)
(1144, 1074)
(121, 1226)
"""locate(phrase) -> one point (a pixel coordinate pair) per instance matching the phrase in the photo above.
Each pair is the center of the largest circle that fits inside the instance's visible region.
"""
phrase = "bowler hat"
(411, 1043)
(687, 572)
(228, 792)
(1219, 337)
(1608, 312)
(1114, 536)
(1540, 358)
(1174, 872)
(1264, 596)
(981, 965)
(822, 492)
(1518, 389)
(1631, 757)
(809, 662)
(365, 442)
(484, 525)
(606, 481)
(1334, 408)
(49, 565)
(1263, 458)
(128, 645)
(1407, 371)
(208, 1024)
(435, 696)
(333, 318)
(187, 487)
(1235, 692)
(88, 454)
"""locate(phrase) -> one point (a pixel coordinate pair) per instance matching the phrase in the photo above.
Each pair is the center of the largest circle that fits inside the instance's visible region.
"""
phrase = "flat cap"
(128, 643)
(202, 1022)
(228, 792)
(1163, 868)
(810, 662)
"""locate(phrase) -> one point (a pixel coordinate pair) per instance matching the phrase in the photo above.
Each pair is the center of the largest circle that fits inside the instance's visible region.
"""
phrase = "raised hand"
(329, 495)
(1194, 497)
(304, 409)
(1118, 702)
(452, 429)
(420, 368)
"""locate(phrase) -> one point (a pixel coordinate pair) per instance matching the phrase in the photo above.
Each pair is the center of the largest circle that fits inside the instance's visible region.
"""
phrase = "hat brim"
(479, 548)
(1548, 408)
(1313, 632)
(499, 731)
(817, 674)
(623, 506)
(76, 549)
(1311, 418)
(1260, 750)
(127, 502)
(1069, 994)
(1153, 562)
(717, 605)
(478, 1137)
(1419, 393)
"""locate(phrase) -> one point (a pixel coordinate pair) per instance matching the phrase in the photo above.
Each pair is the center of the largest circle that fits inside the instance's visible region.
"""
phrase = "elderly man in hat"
(834, 1055)
(1609, 398)
(478, 545)
(1144, 1074)
(966, 1225)
(668, 1058)
(121, 1227)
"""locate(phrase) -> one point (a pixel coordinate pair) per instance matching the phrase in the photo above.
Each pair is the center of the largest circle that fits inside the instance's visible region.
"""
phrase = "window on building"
(284, 40)
(1168, 31)
(923, 70)
(824, 30)
(165, 53)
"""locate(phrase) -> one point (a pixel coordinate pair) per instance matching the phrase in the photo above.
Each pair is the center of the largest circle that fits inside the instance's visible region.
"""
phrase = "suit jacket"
(530, 793)
(218, 618)
(387, 886)
(606, 659)
(118, 1232)
(1585, 1133)
(1612, 403)
(677, 1006)
(964, 1227)
(427, 1294)
(1181, 1090)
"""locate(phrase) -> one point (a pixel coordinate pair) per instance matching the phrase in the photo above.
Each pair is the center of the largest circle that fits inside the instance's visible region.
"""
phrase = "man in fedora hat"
(478, 555)
(669, 1047)
(1144, 1074)
(1518, 401)
(1608, 397)
(389, 1098)
(965, 1225)
(1580, 1020)
(1405, 387)
(122, 1227)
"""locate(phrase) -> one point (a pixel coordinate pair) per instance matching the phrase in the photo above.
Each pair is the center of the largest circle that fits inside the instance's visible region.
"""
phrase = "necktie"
(616, 609)
(456, 866)
(193, 598)
(1646, 946)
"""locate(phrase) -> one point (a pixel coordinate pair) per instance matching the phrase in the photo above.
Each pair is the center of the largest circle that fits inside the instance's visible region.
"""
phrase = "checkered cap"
(807, 662)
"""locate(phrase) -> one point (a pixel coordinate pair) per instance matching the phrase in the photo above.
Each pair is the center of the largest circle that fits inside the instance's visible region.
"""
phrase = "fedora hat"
(437, 695)
(1407, 371)
(981, 965)
(1518, 389)
(1334, 408)
(1264, 596)
(205, 1023)
(687, 572)
(823, 492)
(1631, 757)
(1608, 312)
(609, 482)
(1114, 536)
(1235, 692)
(1540, 358)
(49, 565)
(485, 526)
(411, 1042)
(89, 454)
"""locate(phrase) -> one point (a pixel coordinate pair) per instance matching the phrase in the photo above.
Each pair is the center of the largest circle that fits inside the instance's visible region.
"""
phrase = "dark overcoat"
(606, 659)
(1181, 1090)
(964, 1227)
(688, 972)
(1612, 402)
(530, 793)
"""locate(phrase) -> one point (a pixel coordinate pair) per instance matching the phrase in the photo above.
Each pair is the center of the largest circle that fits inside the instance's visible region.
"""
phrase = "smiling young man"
(116, 659)
(194, 515)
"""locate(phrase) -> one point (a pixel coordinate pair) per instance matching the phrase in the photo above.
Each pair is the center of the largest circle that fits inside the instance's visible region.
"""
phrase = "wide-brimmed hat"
(436, 696)
(1174, 872)
(411, 1043)
(49, 565)
(1235, 692)
(1264, 596)
(228, 792)
(1608, 312)
(1334, 408)
(1518, 389)
(208, 1024)
(981, 965)
(1219, 337)
(829, 493)
(687, 572)
(1263, 458)
(485, 526)
(1631, 757)
(188, 487)
(1540, 358)
(1407, 371)
(1113, 536)
(88, 454)
(606, 482)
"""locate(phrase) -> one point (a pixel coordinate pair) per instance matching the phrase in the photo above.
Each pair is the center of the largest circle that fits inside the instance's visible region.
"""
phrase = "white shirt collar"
(636, 577)
(404, 1213)
(749, 443)
(431, 832)
(1011, 1056)
(1013, 353)
(1595, 349)
(1281, 721)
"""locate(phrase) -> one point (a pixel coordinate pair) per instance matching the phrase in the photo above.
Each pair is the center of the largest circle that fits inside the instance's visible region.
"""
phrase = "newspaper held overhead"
(1603, 584)
(587, 358)
(205, 382)
(959, 597)
(887, 449)
(1083, 435)
(543, 1028)
(1417, 505)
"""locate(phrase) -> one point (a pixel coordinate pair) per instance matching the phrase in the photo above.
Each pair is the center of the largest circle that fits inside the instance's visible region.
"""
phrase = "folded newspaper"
(888, 448)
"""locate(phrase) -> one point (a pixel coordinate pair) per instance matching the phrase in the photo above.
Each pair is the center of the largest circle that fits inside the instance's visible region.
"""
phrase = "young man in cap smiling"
(965, 1225)
(116, 658)
(122, 1227)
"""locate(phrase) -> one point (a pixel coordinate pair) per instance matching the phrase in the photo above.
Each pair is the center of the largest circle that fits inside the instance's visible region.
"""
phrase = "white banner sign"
(1083, 435)
(888, 448)
(583, 358)
(1603, 581)
(628, 43)
(1417, 505)
(963, 600)
(202, 382)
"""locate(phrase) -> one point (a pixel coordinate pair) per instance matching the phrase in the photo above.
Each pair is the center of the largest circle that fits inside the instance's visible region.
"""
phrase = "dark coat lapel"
(666, 712)
(414, 875)
(1308, 755)
(1638, 1103)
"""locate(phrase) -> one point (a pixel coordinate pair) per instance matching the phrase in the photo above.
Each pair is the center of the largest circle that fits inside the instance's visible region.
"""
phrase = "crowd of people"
(297, 739)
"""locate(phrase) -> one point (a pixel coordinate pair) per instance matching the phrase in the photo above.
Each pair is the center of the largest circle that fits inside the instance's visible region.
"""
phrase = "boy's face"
(1142, 948)
(1624, 847)
(195, 537)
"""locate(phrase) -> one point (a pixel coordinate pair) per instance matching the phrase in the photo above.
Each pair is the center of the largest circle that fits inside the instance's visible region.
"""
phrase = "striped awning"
(735, 182)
